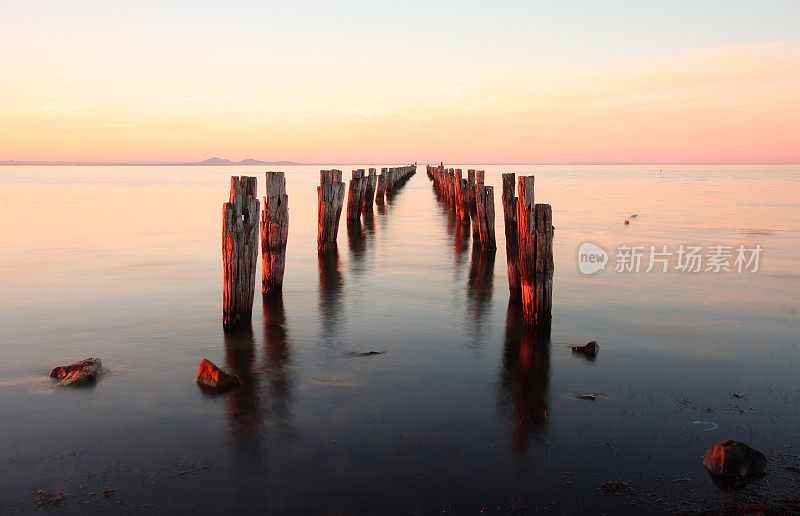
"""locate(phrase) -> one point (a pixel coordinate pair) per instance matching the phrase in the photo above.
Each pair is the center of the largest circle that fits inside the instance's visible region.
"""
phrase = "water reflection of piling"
(356, 240)
(330, 288)
(460, 239)
(524, 377)
(480, 284)
(277, 360)
(242, 403)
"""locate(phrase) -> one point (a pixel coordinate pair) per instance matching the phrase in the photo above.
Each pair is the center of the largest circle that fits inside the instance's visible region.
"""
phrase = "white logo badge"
(591, 258)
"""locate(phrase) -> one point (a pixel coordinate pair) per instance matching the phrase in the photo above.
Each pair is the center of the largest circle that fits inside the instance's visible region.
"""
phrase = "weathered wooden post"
(328, 176)
(369, 195)
(239, 251)
(512, 247)
(535, 240)
(526, 242)
(355, 196)
(330, 196)
(381, 186)
(543, 220)
(451, 189)
(485, 212)
(461, 198)
(473, 207)
(274, 233)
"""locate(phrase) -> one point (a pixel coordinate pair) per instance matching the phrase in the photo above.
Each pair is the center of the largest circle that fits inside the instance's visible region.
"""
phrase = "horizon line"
(290, 163)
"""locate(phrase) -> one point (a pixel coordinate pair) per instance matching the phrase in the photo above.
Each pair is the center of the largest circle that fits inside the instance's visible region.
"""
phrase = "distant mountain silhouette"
(220, 162)
(216, 162)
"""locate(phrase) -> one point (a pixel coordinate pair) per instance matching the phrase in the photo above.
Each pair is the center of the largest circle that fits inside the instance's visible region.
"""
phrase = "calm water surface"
(465, 410)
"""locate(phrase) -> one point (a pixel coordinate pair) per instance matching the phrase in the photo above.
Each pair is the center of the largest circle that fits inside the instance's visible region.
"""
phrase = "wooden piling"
(327, 176)
(535, 241)
(543, 218)
(526, 242)
(369, 195)
(450, 179)
(330, 195)
(355, 196)
(461, 200)
(239, 251)
(381, 191)
(512, 247)
(485, 213)
(397, 177)
(473, 207)
(274, 233)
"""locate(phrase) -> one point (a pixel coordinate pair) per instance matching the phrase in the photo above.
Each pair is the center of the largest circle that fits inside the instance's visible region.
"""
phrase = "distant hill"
(219, 162)
(214, 162)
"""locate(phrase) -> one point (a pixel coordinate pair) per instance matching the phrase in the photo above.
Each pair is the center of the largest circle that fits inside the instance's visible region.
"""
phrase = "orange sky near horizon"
(70, 99)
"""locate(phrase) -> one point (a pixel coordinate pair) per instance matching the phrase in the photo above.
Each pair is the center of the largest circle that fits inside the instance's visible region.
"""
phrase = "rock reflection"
(525, 377)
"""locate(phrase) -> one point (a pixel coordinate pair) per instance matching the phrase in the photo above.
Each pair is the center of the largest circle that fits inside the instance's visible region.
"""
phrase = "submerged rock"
(79, 373)
(212, 377)
(366, 354)
(590, 349)
(732, 462)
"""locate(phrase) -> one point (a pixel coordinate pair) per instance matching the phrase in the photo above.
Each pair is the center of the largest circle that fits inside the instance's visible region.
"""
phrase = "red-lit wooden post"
(535, 240)
(484, 196)
(512, 247)
(274, 233)
(381, 191)
(330, 196)
(369, 192)
(239, 251)
(355, 196)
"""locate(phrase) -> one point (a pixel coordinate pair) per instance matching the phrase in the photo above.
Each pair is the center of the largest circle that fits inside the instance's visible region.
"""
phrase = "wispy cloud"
(193, 99)
(55, 107)
(455, 90)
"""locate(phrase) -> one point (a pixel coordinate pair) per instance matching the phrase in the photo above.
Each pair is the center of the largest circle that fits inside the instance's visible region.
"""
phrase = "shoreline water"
(456, 412)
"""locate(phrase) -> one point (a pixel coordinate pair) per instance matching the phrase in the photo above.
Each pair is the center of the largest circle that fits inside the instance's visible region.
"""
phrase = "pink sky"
(73, 98)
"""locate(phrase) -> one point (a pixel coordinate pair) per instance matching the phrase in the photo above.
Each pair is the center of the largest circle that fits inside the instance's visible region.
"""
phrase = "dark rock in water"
(366, 354)
(590, 349)
(214, 378)
(732, 462)
(586, 396)
(79, 373)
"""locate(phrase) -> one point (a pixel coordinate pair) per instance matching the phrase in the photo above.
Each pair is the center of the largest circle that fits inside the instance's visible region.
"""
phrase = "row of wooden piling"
(528, 230)
(365, 188)
(240, 235)
(241, 222)
(530, 268)
(470, 199)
